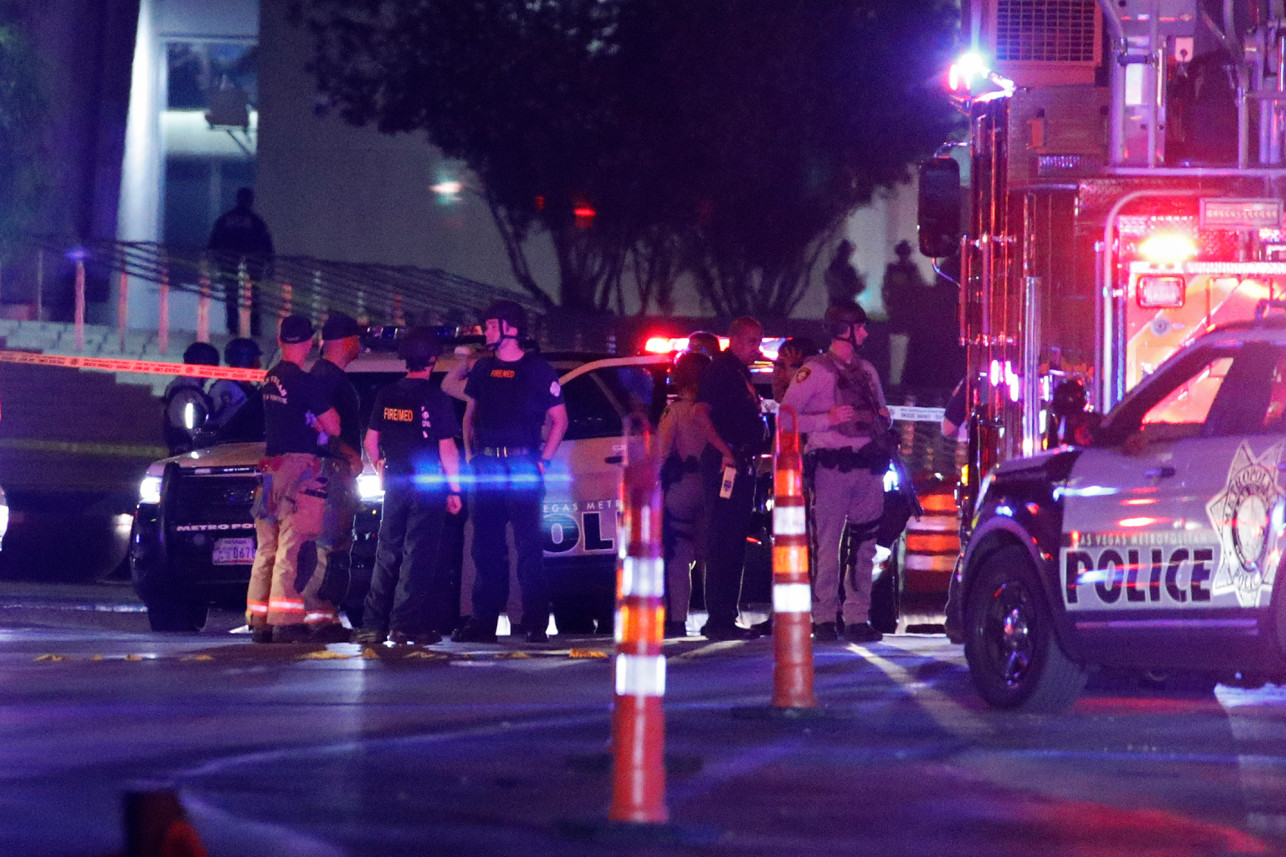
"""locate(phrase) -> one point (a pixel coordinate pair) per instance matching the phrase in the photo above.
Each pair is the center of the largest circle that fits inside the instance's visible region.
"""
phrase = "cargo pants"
(289, 513)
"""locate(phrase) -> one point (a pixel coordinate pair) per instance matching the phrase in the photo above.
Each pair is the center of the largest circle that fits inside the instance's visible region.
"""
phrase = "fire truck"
(1120, 229)
(1119, 192)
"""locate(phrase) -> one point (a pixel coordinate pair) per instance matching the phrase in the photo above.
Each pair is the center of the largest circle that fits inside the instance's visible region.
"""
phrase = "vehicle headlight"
(149, 490)
(370, 487)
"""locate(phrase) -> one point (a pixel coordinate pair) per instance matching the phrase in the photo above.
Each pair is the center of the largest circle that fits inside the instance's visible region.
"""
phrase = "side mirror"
(938, 217)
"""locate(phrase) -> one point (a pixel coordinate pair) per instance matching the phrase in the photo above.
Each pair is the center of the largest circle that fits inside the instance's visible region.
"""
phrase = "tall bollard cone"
(638, 720)
(792, 595)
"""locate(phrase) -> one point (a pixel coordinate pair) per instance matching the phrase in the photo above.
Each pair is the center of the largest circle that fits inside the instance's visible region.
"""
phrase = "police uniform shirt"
(290, 397)
(511, 400)
(734, 405)
(815, 390)
(342, 395)
(412, 415)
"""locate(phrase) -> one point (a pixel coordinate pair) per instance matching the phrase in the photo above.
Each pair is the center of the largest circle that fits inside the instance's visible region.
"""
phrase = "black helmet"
(419, 348)
(201, 354)
(840, 318)
(241, 353)
(510, 312)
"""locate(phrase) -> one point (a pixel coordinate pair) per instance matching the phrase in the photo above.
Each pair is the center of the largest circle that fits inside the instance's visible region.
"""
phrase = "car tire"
(176, 613)
(1015, 660)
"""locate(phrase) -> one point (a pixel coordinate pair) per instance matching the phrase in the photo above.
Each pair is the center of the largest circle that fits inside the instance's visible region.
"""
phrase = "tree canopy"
(721, 140)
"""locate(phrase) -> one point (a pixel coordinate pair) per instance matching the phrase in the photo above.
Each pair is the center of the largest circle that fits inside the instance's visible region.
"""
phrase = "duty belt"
(506, 451)
(846, 458)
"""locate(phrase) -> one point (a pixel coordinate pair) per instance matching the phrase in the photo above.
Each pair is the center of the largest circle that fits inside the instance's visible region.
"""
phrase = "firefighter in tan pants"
(282, 602)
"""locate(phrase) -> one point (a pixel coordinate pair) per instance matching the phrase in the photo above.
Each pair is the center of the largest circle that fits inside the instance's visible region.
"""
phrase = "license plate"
(234, 551)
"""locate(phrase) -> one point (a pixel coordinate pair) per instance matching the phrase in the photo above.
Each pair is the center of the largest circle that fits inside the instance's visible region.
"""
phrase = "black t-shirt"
(291, 399)
(412, 415)
(511, 400)
(342, 395)
(734, 405)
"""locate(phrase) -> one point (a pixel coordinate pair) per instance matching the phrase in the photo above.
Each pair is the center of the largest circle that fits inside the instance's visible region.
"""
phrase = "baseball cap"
(340, 326)
(296, 329)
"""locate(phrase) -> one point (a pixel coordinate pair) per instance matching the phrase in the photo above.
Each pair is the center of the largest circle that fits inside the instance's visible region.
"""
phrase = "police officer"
(726, 390)
(840, 406)
(238, 405)
(510, 397)
(411, 439)
(185, 405)
(282, 601)
(341, 343)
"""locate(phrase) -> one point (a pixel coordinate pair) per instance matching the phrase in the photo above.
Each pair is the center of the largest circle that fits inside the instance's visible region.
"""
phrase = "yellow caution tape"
(512, 656)
(199, 658)
(96, 658)
(370, 654)
(323, 655)
(586, 653)
(133, 657)
(51, 658)
(428, 656)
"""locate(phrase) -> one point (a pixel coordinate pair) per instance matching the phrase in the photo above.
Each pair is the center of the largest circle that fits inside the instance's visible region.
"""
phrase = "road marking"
(945, 711)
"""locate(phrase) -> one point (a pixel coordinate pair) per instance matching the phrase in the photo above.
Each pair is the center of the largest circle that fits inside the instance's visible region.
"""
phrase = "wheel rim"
(1007, 630)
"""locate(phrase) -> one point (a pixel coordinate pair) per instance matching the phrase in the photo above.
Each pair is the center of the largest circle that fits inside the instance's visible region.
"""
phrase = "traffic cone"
(157, 826)
(792, 594)
(638, 719)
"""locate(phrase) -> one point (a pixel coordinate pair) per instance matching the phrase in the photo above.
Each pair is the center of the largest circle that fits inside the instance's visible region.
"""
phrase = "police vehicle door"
(1167, 518)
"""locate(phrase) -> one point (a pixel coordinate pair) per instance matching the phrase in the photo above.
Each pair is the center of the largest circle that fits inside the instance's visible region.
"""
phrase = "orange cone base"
(793, 668)
(638, 761)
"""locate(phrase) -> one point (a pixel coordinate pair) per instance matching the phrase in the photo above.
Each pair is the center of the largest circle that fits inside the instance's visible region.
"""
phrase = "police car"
(193, 539)
(1157, 549)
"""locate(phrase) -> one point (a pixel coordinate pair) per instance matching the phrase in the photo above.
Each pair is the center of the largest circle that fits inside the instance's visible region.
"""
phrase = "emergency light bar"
(1160, 291)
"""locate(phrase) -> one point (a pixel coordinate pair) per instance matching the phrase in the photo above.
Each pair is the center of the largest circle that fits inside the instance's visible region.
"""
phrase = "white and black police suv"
(1156, 550)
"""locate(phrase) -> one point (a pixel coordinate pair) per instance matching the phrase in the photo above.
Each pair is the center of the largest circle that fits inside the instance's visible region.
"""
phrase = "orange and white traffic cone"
(638, 719)
(792, 597)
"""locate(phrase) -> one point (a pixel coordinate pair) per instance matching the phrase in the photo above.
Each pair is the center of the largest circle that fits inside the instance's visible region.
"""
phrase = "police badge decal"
(1242, 516)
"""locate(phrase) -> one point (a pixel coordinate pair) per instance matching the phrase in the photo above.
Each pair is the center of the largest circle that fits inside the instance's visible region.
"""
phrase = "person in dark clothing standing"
(905, 296)
(240, 235)
(238, 405)
(510, 397)
(283, 599)
(734, 408)
(341, 343)
(411, 439)
(186, 406)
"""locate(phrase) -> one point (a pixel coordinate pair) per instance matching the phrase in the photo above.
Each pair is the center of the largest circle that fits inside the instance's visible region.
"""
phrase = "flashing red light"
(584, 216)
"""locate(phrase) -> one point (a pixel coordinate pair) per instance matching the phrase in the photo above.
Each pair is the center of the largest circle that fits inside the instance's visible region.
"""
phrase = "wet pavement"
(504, 749)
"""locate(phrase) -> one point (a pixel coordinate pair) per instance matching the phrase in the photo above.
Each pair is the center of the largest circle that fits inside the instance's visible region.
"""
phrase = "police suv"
(193, 539)
(1156, 550)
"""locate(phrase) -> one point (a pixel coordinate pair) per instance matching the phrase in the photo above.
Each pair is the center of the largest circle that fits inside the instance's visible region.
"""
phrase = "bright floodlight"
(447, 188)
(968, 68)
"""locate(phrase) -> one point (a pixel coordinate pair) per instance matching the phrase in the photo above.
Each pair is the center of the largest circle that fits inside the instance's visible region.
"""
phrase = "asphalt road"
(503, 749)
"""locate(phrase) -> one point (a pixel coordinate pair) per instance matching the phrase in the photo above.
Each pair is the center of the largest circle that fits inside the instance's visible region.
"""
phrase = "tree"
(23, 179)
(725, 140)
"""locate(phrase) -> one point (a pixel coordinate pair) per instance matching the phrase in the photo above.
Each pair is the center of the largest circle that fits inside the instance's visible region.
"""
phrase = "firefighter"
(341, 343)
(511, 395)
(282, 600)
(840, 405)
(411, 440)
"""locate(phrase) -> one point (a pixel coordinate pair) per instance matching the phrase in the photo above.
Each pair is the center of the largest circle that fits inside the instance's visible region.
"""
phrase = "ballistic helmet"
(509, 312)
(201, 354)
(241, 353)
(840, 318)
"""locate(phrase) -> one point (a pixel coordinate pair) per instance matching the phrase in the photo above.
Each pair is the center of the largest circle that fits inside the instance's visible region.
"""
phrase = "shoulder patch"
(802, 375)
(554, 389)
